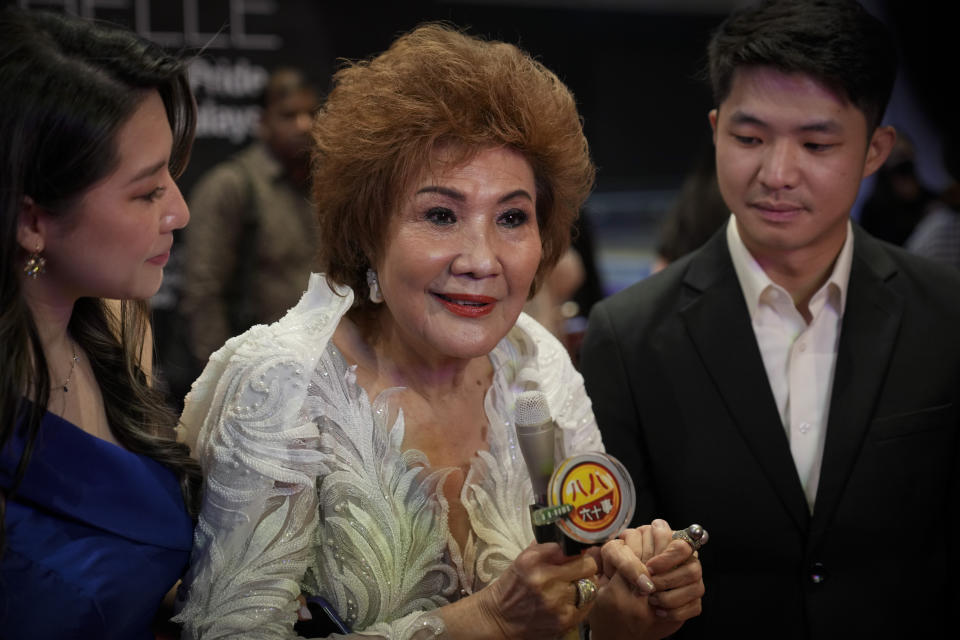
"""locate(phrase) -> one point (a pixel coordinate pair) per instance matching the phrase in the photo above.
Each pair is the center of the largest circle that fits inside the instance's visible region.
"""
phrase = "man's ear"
(31, 234)
(712, 117)
(881, 143)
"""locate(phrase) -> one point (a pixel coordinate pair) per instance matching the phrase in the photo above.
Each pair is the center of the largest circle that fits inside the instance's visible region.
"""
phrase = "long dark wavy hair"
(67, 86)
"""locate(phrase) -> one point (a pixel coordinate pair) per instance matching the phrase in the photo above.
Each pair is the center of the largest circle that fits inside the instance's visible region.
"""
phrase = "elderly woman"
(363, 447)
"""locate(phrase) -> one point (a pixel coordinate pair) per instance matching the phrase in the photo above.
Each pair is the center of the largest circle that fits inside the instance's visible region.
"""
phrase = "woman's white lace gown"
(307, 488)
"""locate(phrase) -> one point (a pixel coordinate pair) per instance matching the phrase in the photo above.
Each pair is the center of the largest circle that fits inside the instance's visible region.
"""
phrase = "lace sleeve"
(575, 414)
(566, 394)
(261, 453)
(255, 536)
(252, 541)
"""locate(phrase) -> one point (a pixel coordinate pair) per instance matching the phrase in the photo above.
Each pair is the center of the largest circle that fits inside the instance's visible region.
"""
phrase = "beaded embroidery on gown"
(307, 488)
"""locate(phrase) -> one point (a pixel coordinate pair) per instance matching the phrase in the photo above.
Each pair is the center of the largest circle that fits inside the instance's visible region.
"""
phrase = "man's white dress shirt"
(800, 358)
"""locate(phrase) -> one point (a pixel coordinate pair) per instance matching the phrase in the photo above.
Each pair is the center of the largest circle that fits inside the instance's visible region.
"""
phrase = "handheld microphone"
(587, 498)
(535, 435)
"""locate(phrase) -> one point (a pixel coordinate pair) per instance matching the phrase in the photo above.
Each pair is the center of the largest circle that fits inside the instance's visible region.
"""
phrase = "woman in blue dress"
(96, 496)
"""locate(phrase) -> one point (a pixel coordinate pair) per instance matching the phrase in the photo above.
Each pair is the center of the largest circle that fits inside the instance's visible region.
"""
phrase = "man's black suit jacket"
(681, 396)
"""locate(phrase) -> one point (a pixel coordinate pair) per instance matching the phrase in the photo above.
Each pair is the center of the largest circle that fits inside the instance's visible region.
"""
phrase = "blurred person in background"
(937, 235)
(250, 247)
(899, 199)
(695, 215)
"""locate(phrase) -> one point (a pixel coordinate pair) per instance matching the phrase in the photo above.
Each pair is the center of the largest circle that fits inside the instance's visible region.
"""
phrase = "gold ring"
(586, 592)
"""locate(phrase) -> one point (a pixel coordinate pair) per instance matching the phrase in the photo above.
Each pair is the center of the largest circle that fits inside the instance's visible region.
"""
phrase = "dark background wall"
(631, 66)
(634, 66)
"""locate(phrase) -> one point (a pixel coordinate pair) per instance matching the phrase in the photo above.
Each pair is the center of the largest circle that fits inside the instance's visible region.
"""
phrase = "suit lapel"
(871, 320)
(719, 325)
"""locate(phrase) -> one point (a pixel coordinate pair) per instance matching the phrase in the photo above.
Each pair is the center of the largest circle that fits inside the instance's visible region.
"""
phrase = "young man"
(794, 385)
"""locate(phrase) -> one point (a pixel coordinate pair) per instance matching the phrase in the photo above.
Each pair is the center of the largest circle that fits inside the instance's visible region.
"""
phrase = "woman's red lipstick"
(467, 305)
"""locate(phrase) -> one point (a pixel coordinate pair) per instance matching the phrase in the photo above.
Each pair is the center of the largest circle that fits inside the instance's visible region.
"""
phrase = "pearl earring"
(373, 284)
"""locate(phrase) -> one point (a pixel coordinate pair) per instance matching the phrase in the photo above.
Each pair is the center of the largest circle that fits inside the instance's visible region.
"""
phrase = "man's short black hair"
(835, 41)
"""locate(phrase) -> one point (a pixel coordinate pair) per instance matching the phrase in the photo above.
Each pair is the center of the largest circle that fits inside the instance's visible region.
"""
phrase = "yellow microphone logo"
(594, 494)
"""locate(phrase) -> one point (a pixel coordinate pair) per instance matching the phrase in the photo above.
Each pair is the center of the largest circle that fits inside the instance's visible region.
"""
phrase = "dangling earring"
(36, 264)
(373, 284)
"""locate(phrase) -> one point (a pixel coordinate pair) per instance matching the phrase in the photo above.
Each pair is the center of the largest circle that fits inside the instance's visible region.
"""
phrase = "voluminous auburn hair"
(436, 87)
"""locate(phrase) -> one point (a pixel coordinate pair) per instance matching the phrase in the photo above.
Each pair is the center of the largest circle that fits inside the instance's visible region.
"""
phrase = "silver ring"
(694, 535)
(586, 592)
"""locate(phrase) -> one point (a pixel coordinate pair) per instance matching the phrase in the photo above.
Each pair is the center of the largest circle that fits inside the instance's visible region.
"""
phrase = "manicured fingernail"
(654, 601)
(646, 585)
(660, 524)
(660, 612)
(304, 612)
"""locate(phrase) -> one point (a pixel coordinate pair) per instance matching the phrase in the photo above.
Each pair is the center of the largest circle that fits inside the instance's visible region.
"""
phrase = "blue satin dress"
(96, 536)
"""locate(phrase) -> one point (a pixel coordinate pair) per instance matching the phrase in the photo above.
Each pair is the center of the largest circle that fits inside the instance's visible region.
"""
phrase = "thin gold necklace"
(73, 365)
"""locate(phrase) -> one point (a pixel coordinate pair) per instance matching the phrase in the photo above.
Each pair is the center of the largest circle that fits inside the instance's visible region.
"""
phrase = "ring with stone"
(694, 535)
(586, 592)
